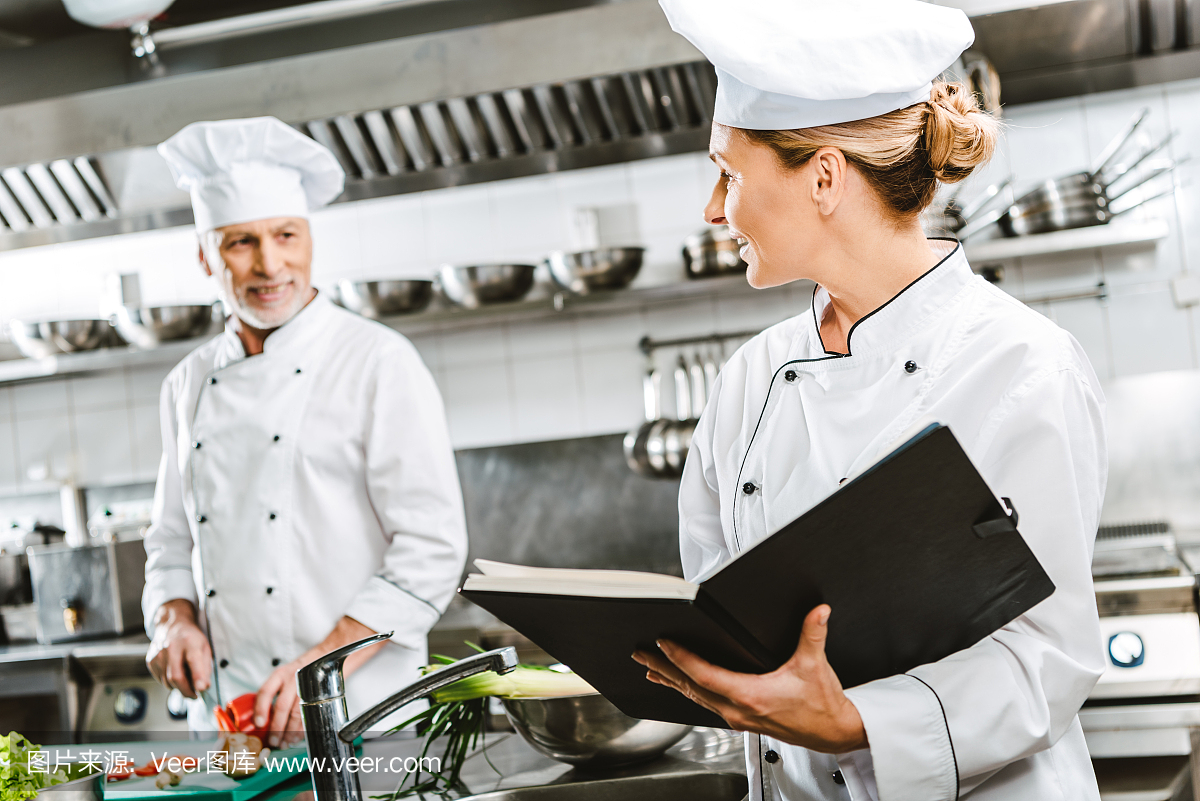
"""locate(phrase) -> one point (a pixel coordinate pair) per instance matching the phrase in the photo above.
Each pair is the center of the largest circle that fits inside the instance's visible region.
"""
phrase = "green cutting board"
(205, 786)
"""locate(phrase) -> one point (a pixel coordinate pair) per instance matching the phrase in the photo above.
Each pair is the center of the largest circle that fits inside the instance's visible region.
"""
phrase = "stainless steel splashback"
(1154, 450)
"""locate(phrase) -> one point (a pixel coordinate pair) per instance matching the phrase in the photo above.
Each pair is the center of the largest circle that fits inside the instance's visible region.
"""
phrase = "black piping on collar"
(915, 281)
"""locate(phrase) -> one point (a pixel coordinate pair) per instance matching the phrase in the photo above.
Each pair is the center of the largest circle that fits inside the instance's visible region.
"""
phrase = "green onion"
(458, 713)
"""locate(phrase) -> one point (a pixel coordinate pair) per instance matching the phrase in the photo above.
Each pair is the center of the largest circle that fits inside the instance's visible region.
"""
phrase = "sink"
(684, 786)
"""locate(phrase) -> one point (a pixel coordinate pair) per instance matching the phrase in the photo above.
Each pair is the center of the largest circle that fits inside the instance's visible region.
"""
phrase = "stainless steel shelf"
(19, 371)
(555, 305)
(1129, 234)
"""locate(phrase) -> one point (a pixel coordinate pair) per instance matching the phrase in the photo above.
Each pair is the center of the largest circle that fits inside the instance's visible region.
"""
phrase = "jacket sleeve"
(942, 729)
(169, 539)
(412, 483)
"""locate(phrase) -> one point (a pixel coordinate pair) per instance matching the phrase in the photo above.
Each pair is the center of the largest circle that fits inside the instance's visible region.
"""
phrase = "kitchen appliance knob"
(1126, 649)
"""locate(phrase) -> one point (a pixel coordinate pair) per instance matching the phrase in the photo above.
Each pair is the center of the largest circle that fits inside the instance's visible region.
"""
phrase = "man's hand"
(801, 703)
(277, 707)
(179, 656)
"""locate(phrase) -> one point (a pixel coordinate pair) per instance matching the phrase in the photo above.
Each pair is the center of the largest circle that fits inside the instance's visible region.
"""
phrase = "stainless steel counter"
(508, 762)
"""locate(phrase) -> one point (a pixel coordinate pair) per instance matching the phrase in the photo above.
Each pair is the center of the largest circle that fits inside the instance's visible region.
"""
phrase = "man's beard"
(263, 320)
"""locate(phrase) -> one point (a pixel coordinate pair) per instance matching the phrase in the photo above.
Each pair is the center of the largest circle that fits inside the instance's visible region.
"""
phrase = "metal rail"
(648, 345)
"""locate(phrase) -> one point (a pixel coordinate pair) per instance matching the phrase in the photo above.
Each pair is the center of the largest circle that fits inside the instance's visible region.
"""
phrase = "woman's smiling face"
(769, 209)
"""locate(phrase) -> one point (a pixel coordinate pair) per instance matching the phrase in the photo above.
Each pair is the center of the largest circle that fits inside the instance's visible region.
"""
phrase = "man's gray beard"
(247, 315)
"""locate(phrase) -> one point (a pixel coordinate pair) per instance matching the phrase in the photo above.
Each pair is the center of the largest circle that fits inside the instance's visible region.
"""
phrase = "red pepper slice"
(224, 722)
(149, 769)
(241, 709)
(120, 773)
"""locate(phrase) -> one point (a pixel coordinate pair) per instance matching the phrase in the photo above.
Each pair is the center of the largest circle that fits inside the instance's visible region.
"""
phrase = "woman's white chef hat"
(239, 171)
(784, 64)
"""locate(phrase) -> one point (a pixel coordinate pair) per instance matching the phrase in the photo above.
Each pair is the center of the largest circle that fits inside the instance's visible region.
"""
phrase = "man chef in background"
(307, 496)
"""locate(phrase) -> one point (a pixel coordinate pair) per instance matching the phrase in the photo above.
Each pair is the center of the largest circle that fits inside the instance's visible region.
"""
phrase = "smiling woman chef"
(832, 132)
(307, 496)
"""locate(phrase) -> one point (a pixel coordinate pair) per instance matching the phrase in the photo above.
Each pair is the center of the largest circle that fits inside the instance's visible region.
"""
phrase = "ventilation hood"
(419, 94)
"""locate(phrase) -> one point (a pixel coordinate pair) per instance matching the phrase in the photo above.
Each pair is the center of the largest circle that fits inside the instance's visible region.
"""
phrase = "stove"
(1146, 594)
(1142, 719)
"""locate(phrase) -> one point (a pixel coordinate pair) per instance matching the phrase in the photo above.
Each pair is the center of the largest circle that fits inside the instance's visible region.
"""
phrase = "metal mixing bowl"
(587, 730)
(149, 327)
(591, 270)
(375, 299)
(89, 788)
(712, 252)
(479, 285)
(76, 335)
(29, 340)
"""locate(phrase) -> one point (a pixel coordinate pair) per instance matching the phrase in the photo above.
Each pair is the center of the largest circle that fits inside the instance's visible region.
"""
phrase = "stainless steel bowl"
(589, 730)
(483, 284)
(28, 338)
(375, 299)
(712, 252)
(147, 328)
(592, 270)
(76, 335)
(89, 788)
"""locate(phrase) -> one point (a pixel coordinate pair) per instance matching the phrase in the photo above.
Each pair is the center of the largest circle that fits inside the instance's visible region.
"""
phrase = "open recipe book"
(915, 555)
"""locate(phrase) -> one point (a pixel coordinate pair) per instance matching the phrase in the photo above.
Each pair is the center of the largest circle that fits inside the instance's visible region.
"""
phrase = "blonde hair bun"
(959, 136)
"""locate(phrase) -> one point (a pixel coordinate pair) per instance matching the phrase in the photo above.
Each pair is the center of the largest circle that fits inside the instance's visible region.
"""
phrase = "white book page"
(501, 577)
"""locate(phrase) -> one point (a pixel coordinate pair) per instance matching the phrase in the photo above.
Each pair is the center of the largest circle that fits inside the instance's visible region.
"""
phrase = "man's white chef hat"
(784, 64)
(253, 169)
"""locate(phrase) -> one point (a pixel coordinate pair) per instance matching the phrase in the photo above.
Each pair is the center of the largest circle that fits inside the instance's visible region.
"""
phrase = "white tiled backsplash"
(564, 378)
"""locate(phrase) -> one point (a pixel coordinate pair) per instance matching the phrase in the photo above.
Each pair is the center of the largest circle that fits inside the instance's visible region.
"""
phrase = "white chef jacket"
(312, 481)
(788, 420)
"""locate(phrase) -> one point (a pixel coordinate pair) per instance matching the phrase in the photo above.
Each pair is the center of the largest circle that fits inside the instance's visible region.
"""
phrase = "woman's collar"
(891, 321)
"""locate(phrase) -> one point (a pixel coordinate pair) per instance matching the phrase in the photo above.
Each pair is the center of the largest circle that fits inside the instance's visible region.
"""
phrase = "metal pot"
(636, 454)
(376, 299)
(479, 285)
(592, 270)
(587, 730)
(712, 252)
(149, 327)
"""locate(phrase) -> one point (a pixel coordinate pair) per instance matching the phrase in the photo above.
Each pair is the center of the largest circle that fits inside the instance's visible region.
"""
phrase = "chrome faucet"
(328, 730)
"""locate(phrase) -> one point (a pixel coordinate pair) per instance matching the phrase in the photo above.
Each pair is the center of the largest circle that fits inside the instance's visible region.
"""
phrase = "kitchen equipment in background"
(27, 336)
(711, 252)
(592, 270)
(149, 327)
(588, 731)
(76, 335)
(121, 520)
(1077, 200)
(480, 285)
(18, 614)
(637, 454)
(1140, 719)
(377, 299)
(658, 447)
(72, 501)
(90, 591)
(119, 700)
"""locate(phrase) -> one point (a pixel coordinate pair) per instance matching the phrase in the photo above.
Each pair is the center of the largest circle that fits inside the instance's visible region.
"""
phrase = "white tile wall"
(547, 379)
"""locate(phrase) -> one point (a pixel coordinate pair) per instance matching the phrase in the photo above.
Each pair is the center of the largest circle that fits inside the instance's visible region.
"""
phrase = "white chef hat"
(784, 64)
(253, 169)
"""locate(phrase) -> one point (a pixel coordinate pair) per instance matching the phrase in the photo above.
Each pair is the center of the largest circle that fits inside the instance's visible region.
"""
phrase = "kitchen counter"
(509, 762)
(118, 646)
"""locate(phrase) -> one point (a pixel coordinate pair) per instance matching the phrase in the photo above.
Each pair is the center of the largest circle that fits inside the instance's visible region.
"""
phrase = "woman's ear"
(829, 173)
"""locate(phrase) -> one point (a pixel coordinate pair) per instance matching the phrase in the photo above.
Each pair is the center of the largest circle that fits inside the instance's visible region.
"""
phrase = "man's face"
(265, 268)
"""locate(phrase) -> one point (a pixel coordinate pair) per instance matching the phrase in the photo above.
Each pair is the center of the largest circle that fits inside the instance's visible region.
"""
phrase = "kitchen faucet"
(328, 730)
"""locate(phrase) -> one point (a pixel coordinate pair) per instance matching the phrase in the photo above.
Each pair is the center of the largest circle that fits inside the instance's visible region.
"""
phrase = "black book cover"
(916, 557)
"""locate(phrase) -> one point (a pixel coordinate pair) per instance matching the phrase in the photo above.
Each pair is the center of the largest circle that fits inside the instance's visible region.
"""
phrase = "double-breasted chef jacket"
(308, 482)
(788, 420)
